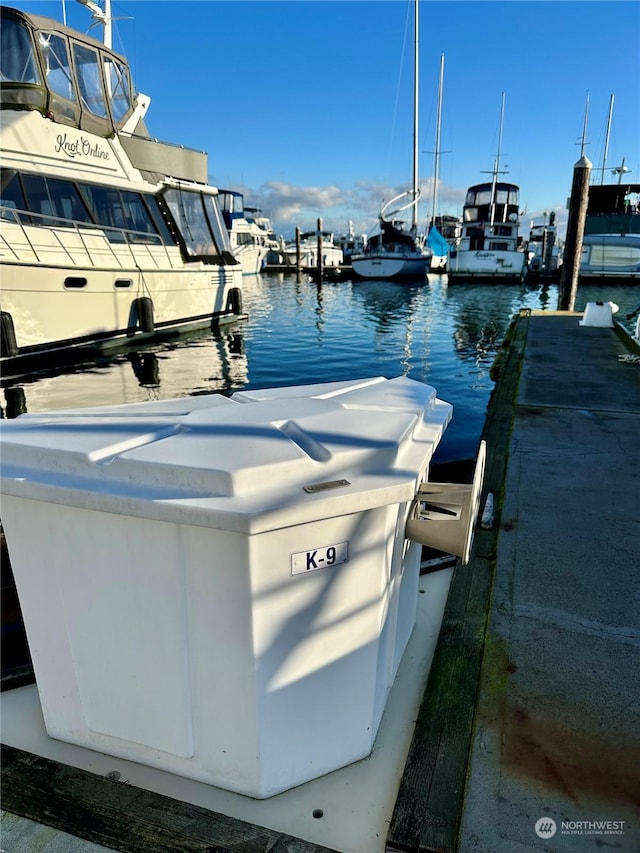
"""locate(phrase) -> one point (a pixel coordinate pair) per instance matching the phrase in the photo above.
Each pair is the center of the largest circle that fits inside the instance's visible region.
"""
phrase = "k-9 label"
(319, 558)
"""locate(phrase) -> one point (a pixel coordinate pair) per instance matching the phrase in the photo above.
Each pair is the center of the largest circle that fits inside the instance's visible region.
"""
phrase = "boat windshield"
(231, 204)
(482, 194)
(68, 76)
(18, 66)
(200, 225)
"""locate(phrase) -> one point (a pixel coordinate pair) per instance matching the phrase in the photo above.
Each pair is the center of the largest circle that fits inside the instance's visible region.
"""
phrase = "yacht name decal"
(79, 147)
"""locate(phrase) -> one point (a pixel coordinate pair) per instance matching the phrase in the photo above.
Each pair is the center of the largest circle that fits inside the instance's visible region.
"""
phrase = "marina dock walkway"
(557, 734)
(547, 653)
(528, 735)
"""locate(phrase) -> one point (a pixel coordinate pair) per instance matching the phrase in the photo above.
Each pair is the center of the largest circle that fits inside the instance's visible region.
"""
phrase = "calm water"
(298, 333)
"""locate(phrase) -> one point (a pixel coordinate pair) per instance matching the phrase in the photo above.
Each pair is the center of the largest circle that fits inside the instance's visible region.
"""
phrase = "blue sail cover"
(436, 242)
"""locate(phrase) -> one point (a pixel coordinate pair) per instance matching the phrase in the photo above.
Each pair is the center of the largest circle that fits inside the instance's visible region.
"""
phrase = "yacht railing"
(139, 244)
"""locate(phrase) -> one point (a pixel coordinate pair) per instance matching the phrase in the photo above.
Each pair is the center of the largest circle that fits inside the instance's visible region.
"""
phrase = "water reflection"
(301, 332)
(202, 363)
(387, 303)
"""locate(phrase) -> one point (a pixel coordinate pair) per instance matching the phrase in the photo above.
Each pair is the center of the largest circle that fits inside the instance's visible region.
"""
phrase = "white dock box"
(221, 588)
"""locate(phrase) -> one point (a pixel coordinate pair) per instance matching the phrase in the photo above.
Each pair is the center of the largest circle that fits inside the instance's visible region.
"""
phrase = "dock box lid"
(261, 460)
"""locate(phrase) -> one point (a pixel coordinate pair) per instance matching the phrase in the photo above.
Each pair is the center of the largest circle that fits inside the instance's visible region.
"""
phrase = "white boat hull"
(46, 315)
(487, 265)
(252, 258)
(438, 263)
(610, 256)
(391, 266)
(331, 256)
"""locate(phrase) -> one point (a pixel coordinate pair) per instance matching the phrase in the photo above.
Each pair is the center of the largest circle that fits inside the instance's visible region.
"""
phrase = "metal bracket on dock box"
(443, 515)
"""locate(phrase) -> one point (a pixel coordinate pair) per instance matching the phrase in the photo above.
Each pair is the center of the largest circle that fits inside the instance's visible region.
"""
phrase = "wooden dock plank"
(125, 818)
(428, 808)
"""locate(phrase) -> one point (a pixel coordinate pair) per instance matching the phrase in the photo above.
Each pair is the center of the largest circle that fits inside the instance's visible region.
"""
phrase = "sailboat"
(435, 241)
(395, 251)
(488, 246)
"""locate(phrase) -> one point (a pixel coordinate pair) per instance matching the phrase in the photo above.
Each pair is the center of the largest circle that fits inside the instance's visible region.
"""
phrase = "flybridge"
(67, 76)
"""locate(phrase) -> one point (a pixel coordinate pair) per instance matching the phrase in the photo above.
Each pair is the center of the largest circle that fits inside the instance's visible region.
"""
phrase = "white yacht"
(255, 214)
(250, 241)
(331, 253)
(107, 236)
(611, 242)
(488, 247)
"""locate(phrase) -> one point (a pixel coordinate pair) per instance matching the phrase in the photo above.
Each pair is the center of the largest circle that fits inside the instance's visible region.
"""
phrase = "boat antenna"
(606, 140)
(583, 141)
(436, 155)
(414, 218)
(496, 168)
(620, 170)
(101, 16)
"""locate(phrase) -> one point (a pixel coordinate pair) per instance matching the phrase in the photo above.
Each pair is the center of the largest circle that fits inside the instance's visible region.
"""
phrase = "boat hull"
(389, 266)
(69, 310)
(611, 256)
(252, 258)
(503, 266)
(331, 257)
(438, 263)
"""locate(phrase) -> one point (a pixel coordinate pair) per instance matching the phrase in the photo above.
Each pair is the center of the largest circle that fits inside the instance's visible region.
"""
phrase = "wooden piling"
(319, 250)
(298, 259)
(575, 231)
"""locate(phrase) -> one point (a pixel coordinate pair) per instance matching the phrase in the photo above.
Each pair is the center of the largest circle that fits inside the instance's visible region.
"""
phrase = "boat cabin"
(490, 216)
(613, 209)
(67, 76)
(231, 205)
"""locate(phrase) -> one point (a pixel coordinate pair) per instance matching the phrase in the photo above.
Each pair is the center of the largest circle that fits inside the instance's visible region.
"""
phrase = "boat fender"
(8, 342)
(234, 301)
(144, 312)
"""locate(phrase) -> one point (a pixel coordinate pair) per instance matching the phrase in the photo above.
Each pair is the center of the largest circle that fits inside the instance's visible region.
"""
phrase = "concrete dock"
(542, 628)
(528, 736)
(557, 732)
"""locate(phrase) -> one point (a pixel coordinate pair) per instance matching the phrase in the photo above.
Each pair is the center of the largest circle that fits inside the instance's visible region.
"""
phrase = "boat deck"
(531, 709)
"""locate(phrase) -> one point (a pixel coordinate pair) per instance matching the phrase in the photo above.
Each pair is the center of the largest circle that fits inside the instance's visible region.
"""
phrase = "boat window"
(55, 199)
(216, 224)
(244, 239)
(119, 87)
(155, 213)
(125, 211)
(503, 230)
(470, 214)
(17, 58)
(89, 80)
(508, 196)
(57, 65)
(482, 197)
(188, 213)
(12, 197)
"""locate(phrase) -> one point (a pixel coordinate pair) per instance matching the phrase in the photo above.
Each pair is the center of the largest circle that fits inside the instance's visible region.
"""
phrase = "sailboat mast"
(436, 154)
(496, 168)
(606, 141)
(414, 218)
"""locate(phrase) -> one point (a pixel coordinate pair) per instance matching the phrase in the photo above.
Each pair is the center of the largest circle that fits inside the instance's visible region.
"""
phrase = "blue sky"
(306, 106)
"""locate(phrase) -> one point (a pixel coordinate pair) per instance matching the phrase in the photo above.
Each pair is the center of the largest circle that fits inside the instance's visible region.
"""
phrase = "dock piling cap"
(599, 314)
